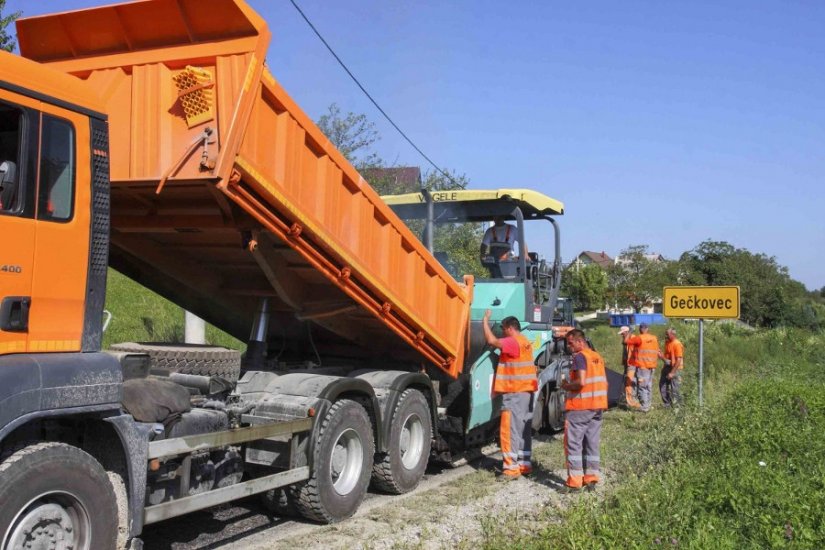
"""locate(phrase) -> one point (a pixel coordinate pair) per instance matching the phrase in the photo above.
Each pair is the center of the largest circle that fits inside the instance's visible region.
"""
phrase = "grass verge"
(140, 315)
(747, 471)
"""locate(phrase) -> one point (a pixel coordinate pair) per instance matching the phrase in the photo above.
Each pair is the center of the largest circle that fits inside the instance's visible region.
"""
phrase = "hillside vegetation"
(140, 315)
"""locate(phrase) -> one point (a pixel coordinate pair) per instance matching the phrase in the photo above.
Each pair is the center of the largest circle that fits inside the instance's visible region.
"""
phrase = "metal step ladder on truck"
(150, 137)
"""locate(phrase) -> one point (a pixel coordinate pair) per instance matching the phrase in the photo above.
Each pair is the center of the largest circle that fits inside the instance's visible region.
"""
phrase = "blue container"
(622, 319)
(650, 318)
(630, 319)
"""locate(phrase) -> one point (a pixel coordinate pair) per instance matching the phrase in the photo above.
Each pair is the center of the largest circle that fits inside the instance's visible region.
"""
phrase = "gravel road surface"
(449, 509)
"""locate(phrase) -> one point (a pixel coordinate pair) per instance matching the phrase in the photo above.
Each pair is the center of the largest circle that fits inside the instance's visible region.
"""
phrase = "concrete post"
(194, 331)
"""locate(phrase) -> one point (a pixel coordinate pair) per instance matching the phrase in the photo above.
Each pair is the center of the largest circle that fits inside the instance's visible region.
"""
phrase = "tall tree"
(353, 135)
(587, 285)
(7, 41)
(636, 280)
(768, 294)
(459, 241)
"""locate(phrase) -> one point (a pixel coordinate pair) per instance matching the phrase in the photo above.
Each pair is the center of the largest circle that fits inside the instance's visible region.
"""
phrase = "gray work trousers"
(516, 434)
(644, 379)
(582, 439)
(670, 389)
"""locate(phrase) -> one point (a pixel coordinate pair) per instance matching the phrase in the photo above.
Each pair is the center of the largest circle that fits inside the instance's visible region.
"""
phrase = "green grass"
(746, 471)
(140, 315)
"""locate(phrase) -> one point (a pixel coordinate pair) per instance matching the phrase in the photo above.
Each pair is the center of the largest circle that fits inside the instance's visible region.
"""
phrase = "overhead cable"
(377, 106)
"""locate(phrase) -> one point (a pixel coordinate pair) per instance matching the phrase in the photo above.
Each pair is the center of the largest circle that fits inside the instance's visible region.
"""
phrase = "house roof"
(598, 258)
(654, 257)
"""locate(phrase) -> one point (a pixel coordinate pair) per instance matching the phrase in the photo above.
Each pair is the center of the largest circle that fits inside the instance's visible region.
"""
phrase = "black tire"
(401, 468)
(555, 410)
(188, 358)
(346, 429)
(539, 422)
(48, 487)
(280, 502)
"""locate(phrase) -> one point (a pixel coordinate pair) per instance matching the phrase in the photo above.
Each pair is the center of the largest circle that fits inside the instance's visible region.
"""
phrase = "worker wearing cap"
(516, 379)
(644, 355)
(585, 401)
(629, 363)
(670, 380)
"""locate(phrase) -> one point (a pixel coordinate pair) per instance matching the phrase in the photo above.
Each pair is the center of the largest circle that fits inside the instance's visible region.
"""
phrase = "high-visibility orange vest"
(647, 350)
(517, 374)
(593, 395)
(674, 350)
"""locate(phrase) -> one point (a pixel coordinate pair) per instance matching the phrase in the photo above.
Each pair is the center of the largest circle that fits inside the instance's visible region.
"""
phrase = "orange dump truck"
(151, 137)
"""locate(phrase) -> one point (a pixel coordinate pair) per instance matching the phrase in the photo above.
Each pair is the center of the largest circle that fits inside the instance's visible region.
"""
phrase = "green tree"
(769, 296)
(460, 241)
(353, 135)
(587, 285)
(636, 280)
(7, 41)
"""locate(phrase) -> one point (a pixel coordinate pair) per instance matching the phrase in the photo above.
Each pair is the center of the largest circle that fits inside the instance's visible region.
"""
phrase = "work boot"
(568, 490)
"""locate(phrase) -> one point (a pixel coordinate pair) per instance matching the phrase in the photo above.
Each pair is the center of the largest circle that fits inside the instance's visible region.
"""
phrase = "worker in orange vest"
(585, 402)
(629, 364)
(516, 379)
(645, 354)
(498, 243)
(671, 379)
(500, 233)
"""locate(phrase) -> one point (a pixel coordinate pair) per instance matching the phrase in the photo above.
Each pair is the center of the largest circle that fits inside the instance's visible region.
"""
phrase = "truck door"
(19, 131)
(62, 243)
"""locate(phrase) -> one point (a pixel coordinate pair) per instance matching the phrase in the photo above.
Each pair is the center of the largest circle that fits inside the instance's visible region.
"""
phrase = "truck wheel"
(402, 467)
(555, 410)
(56, 494)
(188, 358)
(280, 502)
(341, 465)
(539, 422)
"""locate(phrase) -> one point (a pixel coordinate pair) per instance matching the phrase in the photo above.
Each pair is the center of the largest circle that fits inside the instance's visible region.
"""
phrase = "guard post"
(701, 302)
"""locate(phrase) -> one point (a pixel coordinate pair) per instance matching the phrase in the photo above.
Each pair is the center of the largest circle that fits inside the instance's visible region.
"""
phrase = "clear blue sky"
(658, 123)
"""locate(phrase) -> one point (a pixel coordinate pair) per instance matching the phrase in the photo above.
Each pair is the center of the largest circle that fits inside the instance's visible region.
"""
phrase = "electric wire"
(361, 86)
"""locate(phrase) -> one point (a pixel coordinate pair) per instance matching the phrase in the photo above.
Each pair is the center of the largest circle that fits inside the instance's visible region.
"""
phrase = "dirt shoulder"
(454, 509)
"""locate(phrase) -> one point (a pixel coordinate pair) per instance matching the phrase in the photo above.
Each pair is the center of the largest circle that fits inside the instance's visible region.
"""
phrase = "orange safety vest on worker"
(645, 354)
(673, 350)
(517, 373)
(593, 395)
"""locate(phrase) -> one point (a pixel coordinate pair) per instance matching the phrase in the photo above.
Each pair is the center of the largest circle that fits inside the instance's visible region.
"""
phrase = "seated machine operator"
(497, 246)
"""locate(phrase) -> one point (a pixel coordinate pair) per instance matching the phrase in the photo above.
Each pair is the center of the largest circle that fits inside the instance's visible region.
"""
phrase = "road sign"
(701, 302)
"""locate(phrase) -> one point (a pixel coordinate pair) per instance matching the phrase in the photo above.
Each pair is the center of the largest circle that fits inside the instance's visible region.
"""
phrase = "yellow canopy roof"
(475, 204)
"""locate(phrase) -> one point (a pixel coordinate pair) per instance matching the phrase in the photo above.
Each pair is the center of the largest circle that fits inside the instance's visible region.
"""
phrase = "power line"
(366, 93)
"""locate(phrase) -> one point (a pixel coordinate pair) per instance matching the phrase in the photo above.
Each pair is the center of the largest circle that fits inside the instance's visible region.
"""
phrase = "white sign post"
(702, 302)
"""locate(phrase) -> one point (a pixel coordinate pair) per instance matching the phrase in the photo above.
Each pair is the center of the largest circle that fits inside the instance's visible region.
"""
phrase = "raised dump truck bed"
(225, 192)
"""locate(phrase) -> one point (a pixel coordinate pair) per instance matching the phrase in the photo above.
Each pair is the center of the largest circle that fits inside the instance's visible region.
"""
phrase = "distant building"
(396, 181)
(588, 257)
(623, 260)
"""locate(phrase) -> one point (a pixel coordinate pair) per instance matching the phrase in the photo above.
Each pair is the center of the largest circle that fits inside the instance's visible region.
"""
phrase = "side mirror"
(8, 184)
